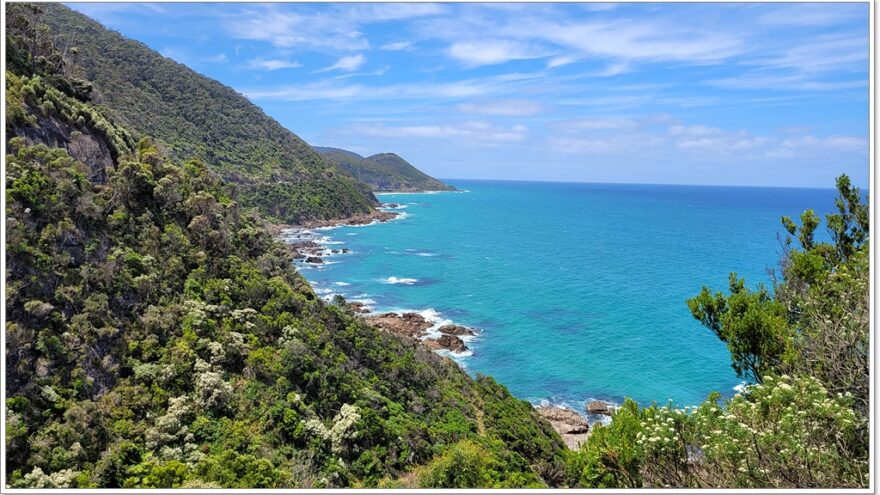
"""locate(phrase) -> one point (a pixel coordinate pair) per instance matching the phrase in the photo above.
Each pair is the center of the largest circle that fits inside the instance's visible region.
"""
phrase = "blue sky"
(738, 94)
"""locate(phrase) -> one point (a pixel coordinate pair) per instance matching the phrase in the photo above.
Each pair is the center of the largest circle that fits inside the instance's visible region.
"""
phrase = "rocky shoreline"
(417, 327)
(302, 246)
(572, 426)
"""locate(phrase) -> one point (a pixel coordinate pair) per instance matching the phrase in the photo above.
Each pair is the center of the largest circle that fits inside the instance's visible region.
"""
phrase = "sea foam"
(400, 280)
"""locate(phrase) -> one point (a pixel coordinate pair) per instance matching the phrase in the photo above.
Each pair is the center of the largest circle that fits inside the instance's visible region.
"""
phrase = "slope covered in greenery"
(195, 117)
(157, 336)
(383, 171)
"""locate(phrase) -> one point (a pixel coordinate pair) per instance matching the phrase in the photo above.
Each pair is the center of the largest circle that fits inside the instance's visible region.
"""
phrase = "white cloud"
(332, 89)
(509, 108)
(347, 63)
(216, 59)
(813, 14)
(287, 29)
(273, 64)
(596, 123)
(490, 52)
(469, 132)
(786, 83)
(396, 46)
(693, 130)
(382, 12)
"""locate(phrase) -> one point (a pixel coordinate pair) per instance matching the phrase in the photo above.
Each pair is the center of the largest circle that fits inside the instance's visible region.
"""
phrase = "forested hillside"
(192, 116)
(384, 171)
(157, 336)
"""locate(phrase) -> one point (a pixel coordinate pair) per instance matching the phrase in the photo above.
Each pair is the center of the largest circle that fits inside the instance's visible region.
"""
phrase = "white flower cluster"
(341, 431)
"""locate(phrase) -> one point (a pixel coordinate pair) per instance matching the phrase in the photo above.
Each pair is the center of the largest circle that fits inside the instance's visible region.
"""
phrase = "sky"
(724, 94)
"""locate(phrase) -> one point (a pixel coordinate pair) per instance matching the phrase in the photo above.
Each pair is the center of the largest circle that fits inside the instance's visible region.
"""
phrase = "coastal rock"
(600, 407)
(570, 425)
(407, 324)
(358, 307)
(432, 344)
(314, 259)
(359, 219)
(452, 329)
(452, 343)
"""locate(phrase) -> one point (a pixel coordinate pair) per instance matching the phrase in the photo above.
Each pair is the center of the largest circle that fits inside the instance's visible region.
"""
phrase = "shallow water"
(578, 290)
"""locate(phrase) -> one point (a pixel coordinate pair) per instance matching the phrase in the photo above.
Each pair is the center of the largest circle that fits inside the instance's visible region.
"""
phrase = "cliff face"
(82, 144)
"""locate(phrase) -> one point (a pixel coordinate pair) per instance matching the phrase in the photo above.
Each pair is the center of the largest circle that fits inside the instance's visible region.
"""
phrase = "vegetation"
(157, 336)
(803, 422)
(384, 171)
(191, 116)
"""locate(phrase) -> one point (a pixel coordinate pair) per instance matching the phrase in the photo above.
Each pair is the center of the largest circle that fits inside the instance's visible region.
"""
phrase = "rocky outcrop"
(451, 329)
(374, 215)
(600, 407)
(358, 307)
(314, 259)
(570, 425)
(82, 143)
(416, 326)
(448, 342)
(407, 324)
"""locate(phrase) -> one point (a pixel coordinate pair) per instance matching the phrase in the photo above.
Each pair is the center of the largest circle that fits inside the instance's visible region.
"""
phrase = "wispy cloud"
(333, 89)
(347, 63)
(508, 108)
(490, 52)
(396, 46)
(469, 132)
(817, 14)
(273, 64)
(284, 28)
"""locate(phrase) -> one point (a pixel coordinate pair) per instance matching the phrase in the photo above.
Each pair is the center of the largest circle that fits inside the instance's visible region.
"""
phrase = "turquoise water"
(578, 290)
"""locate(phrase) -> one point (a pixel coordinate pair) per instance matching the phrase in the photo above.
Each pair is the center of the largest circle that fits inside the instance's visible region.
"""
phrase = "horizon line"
(744, 186)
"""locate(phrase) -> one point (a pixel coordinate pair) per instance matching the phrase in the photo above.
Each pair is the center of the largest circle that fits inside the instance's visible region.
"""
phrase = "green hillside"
(194, 116)
(157, 335)
(384, 171)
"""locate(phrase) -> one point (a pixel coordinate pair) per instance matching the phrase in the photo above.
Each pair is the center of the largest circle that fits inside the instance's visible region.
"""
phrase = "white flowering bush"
(172, 426)
(786, 432)
(212, 391)
(342, 430)
(38, 479)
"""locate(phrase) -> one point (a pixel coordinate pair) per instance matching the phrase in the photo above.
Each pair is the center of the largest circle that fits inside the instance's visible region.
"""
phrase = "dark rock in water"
(456, 330)
(600, 407)
(314, 259)
(336, 251)
(570, 425)
(346, 250)
(452, 343)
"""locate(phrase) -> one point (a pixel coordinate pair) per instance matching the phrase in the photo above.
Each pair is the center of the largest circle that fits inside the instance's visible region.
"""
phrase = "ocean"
(578, 290)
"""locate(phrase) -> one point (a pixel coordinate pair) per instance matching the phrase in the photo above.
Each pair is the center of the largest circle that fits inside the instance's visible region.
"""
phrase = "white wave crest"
(400, 280)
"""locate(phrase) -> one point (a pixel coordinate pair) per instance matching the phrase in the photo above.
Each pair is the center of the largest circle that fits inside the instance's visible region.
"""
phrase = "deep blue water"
(578, 289)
